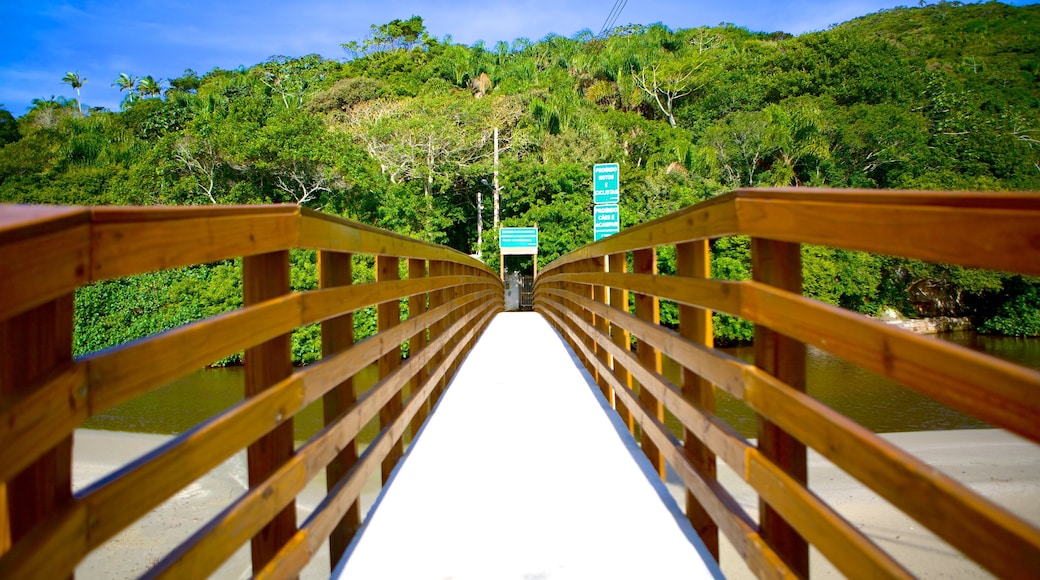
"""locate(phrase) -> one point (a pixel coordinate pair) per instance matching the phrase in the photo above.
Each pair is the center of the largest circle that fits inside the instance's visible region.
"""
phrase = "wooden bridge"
(46, 253)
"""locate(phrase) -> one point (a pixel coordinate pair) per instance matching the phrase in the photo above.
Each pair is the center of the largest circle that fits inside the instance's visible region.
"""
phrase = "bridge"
(586, 387)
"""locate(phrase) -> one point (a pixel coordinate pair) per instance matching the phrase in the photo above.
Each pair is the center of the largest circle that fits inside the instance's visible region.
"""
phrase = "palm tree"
(75, 81)
(128, 83)
(149, 87)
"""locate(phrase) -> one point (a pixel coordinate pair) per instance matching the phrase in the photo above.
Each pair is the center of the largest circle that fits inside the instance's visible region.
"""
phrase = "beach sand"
(997, 465)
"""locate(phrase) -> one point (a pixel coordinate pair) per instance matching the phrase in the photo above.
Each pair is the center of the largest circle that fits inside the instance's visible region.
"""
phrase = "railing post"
(779, 264)
(337, 334)
(417, 307)
(618, 264)
(599, 294)
(648, 308)
(32, 345)
(264, 277)
(388, 315)
(693, 259)
(437, 299)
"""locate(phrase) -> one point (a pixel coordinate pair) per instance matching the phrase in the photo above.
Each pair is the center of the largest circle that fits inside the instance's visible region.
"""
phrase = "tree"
(127, 83)
(74, 80)
(189, 82)
(670, 81)
(9, 132)
(149, 87)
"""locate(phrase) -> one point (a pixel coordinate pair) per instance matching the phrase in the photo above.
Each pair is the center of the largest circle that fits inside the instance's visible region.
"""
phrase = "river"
(875, 402)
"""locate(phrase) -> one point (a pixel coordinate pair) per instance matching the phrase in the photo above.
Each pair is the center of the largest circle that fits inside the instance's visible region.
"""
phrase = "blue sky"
(41, 40)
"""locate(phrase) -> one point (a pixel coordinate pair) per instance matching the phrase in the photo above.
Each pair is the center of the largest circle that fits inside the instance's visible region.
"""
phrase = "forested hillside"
(400, 134)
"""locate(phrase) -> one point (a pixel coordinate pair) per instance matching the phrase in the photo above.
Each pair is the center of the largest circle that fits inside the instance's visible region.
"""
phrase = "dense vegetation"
(400, 135)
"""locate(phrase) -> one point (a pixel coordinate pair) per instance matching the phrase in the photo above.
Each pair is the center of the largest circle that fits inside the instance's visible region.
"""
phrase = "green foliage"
(1019, 314)
(944, 96)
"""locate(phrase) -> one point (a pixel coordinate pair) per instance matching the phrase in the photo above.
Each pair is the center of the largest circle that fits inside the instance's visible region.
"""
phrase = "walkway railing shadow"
(46, 253)
(586, 295)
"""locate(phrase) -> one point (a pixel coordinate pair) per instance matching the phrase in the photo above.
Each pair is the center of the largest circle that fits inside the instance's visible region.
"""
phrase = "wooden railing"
(46, 393)
(585, 294)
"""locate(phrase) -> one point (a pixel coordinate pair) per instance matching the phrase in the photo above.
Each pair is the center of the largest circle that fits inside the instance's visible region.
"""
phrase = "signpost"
(606, 193)
(606, 221)
(606, 183)
(517, 242)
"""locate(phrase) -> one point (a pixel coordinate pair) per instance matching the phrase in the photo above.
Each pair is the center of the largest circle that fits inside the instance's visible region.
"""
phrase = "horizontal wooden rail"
(46, 253)
(996, 231)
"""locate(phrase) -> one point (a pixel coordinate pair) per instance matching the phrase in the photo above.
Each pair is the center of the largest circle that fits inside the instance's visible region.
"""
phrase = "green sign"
(518, 240)
(606, 221)
(606, 183)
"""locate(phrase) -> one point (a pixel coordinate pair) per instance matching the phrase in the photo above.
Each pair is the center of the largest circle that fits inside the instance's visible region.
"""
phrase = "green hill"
(400, 135)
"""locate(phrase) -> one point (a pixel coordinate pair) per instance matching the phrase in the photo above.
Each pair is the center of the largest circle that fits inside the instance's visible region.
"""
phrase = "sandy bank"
(999, 466)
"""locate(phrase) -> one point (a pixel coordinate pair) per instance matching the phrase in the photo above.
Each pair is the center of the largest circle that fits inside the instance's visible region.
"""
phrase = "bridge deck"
(494, 488)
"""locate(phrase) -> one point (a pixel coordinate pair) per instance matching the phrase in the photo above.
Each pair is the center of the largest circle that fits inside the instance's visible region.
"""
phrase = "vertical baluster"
(619, 299)
(416, 308)
(337, 334)
(693, 259)
(779, 264)
(388, 315)
(599, 294)
(34, 344)
(648, 308)
(264, 277)
(437, 268)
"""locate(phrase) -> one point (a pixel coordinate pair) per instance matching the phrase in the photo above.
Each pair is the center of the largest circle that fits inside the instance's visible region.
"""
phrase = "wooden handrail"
(989, 230)
(46, 253)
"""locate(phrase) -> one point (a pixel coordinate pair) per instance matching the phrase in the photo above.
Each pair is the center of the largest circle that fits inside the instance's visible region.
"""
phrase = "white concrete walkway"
(521, 472)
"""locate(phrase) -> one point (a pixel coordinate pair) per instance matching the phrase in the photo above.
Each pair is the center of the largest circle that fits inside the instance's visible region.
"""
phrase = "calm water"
(873, 401)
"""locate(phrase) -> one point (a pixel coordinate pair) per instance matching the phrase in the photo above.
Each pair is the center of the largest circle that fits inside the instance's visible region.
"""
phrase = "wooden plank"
(719, 368)
(618, 297)
(1002, 239)
(157, 213)
(36, 270)
(417, 307)
(388, 315)
(987, 533)
(847, 548)
(122, 497)
(40, 418)
(119, 374)
(711, 219)
(1016, 200)
(325, 232)
(325, 303)
(780, 264)
(648, 308)
(125, 248)
(693, 259)
(34, 345)
(337, 335)
(21, 222)
(51, 550)
(264, 277)
(721, 295)
(998, 392)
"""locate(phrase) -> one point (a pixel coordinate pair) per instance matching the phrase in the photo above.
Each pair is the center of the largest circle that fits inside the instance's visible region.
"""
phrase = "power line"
(615, 12)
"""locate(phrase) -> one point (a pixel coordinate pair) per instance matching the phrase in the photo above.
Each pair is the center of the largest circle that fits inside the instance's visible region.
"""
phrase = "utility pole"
(494, 181)
(480, 221)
